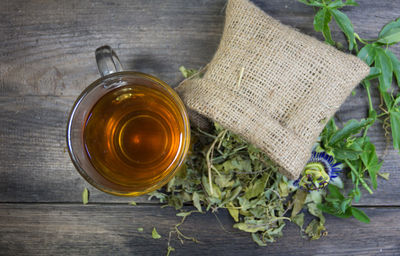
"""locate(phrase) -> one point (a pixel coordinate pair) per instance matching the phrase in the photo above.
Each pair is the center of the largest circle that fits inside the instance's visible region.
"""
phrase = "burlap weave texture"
(273, 85)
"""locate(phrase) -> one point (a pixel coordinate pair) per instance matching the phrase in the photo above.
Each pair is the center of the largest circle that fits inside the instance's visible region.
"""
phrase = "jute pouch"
(273, 85)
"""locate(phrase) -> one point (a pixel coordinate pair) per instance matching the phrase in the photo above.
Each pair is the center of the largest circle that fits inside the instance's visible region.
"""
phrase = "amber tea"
(133, 134)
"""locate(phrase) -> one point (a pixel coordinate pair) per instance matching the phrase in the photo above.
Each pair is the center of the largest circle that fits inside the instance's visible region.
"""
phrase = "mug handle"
(107, 60)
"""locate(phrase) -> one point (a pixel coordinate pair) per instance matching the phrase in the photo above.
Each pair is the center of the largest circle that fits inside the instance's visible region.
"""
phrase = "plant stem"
(359, 38)
(358, 176)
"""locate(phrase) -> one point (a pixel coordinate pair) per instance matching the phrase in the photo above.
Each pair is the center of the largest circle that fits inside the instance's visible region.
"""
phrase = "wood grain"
(42, 229)
(49, 51)
(35, 165)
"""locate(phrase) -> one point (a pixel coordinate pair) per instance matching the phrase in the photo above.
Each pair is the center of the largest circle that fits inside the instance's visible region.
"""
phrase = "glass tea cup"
(128, 132)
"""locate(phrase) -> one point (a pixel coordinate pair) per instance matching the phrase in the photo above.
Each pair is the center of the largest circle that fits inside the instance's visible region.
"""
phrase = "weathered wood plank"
(49, 51)
(35, 229)
(35, 166)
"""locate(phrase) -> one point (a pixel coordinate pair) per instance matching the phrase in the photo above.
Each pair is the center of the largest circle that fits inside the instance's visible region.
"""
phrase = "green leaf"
(390, 37)
(155, 234)
(140, 229)
(350, 128)
(388, 99)
(234, 213)
(367, 54)
(224, 180)
(183, 214)
(333, 211)
(371, 162)
(175, 201)
(298, 201)
(373, 174)
(345, 204)
(359, 215)
(345, 25)
(329, 130)
(395, 65)
(132, 203)
(395, 125)
(342, 153)
(256, 238)
(251, 228)
(234, 194)
(196, 201)
(283, 188)
(388, 27)
(384, 63)
(187, 73)
(314, 210)
(85, 196)
(351, 3)
(335, 192)
(369, 156)
(357, 194)
(396, 101)
(374, 72)
(257, 188)
(157, 194)
(326, 31)
(336, 4)
(315, 229)
(311, 3)
(321, 24)
(299, 220)
(320, 18)
(315, 196)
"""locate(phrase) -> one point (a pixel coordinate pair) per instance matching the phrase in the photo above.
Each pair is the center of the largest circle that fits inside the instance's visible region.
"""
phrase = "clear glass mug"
(98, 171)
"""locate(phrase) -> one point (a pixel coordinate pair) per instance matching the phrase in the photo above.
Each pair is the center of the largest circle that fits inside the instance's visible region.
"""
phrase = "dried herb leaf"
(170, 249)
(196, 201)
(187, 72)
(85, 196)
(248, 227)
(257, 239)
(298, 201)
(315, 230)
(384, 175)
(233, 212)
(155, 234)
(299, 220)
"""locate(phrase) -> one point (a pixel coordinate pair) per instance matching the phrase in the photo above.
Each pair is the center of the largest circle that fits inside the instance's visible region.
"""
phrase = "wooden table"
(47, 59)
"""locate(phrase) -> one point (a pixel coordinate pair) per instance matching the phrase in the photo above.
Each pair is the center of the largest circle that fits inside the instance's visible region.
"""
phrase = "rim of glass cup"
(186, 137)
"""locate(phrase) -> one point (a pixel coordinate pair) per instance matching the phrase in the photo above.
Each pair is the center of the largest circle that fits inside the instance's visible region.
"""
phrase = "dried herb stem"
(209, 157)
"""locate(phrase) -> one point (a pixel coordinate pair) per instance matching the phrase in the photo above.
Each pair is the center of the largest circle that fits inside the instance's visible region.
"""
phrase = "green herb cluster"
(357, 152)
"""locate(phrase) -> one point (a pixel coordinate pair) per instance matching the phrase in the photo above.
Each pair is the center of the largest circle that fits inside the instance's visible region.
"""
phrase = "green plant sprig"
(358, 153)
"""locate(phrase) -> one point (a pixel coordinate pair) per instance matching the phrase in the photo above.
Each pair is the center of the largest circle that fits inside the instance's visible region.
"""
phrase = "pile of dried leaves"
(224, 171)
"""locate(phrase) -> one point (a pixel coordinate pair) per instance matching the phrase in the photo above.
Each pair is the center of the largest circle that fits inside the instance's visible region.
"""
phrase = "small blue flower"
(319, 171)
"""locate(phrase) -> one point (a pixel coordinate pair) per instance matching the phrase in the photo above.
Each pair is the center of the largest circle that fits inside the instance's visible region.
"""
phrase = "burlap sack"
(272, 85)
